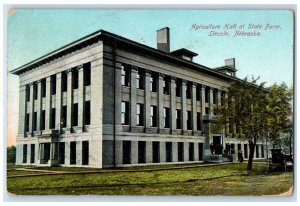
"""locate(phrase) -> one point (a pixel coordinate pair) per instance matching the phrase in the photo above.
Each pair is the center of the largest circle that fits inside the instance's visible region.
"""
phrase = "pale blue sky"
(33, 33)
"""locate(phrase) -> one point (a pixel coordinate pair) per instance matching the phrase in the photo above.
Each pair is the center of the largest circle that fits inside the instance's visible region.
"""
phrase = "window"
(72, 153)
(198, 92)
(85, 152)
(178, 86)
(64, 82)
(168, 151)
(153, 82)
(178, 119)
(27, 93)
(198, 121)
(215, 96)
(53, 84)
(87, 113)
(153, 116)
(126, 152)
(166, 117)
(61, 153)
(75, 79)
(191, 151)
(52, 120)
(43, 87)
(180, 152)
(262, 151)
(75, 115)
(35, 91)
(189, 90)
(34, 122)
(27, 123)
(166, 85)
(206, 110)
(125, 76)
(87, 74)
(32, 153)
(155, 152)
(189, 120)
(140, 114)
(43, 119)
(207, 94)
(125, 113)
(24, 153)
(246, 151)
(140, 79)
(64, 117)
(141, 152)
(200, 145)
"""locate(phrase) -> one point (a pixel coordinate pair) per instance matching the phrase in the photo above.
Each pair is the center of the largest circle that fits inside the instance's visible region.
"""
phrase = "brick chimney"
(163, 39)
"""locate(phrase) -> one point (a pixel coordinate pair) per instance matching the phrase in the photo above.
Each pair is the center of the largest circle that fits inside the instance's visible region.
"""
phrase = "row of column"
(23, 104)
(147, 101)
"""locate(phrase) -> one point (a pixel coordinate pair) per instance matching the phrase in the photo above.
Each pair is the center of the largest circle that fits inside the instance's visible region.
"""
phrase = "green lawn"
(230, 179)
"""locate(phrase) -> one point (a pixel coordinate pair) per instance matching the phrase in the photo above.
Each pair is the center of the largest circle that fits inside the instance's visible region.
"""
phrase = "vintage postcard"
(150, 102)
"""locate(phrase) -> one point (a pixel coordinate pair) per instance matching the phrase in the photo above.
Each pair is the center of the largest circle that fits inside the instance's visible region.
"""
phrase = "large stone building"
(105, 101)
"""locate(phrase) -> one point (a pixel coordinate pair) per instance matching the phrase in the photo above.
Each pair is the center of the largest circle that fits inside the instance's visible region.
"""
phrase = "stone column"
(134, 152)
(211, 101)
(80, 98)
(118, 88)
(161, 102)
(202, 106)
(36, 153)
(149, 153)
(22, 110)
(38, 105)
(133, 97)
(147, 102)
(69, 101)
(226, 105)
(196, 151)
(119, 153)
(78, 152)
(174, 151)
(183, 108)
(194, 108)
(219, 98)
(162, 151)
(173, 105)
(186, 151)
(58, 102)
(48, 103)
(28, 153)
(31, 103)
(259, 150)
(67, 153)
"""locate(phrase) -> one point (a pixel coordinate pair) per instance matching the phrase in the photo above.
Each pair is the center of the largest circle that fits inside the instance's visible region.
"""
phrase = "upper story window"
(87, 74)
(64, 82)
(189, 120)
(153, 116)
(222, 98)
(189, 90)
(153, 82)
(140, 114)
(166, 85)
(178, 87)
(166, 117)
(27, 93)
(125, 76)
(215, 96)
(53, 84)
(198, 121)
(178, 119)
(198, 92)
(207, 91)
(75, 79)
(35, 91)
(43, 87)
(140, 79)
(125, 113)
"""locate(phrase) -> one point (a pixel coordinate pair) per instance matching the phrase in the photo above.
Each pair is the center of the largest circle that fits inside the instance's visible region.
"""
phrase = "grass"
(230, 179)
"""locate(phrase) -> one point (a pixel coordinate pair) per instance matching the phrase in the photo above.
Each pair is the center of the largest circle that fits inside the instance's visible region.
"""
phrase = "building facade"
(107, 101)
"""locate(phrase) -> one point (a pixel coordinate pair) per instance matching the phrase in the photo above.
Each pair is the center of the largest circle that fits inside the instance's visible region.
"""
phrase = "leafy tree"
(11, 154)
(251, 112)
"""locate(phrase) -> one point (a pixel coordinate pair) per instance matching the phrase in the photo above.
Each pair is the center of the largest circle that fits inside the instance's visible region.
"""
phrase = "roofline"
(103, 33)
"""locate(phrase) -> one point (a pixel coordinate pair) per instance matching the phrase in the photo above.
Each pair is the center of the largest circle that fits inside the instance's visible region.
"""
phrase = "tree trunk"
(251, 155)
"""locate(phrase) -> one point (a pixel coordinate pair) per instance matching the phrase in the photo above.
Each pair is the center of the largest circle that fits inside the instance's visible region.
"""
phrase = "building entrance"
(217, 144)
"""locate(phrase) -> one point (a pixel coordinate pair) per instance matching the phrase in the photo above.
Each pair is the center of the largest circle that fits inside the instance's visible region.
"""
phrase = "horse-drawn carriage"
(280, 161)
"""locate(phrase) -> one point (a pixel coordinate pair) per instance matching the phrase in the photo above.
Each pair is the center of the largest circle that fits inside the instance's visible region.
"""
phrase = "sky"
(32, 33)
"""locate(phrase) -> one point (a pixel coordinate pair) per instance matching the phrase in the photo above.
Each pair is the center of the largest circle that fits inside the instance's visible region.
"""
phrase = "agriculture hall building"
(107, 101)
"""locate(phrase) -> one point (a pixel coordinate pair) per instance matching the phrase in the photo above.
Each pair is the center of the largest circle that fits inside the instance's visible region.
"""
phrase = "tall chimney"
(230, 62)
(163, 39)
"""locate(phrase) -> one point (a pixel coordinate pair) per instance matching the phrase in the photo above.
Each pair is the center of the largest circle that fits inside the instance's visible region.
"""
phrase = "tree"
(251, 113)
(11, 154)
(279, 128)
